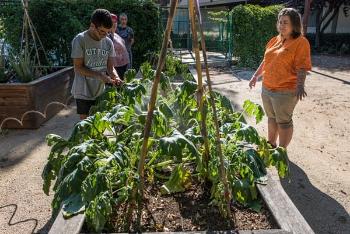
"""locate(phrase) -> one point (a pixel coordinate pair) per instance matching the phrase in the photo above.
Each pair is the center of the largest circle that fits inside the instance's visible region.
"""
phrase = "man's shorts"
(279, 105)
(83, 106)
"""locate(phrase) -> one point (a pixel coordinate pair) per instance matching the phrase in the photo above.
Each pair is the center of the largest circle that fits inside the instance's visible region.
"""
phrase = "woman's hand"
(253, 81)
(300, 92)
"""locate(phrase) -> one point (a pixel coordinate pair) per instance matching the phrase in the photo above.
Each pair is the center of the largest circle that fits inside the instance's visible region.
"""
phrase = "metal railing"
(218, 35)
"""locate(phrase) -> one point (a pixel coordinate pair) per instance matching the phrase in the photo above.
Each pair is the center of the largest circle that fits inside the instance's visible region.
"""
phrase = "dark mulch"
(189, 211)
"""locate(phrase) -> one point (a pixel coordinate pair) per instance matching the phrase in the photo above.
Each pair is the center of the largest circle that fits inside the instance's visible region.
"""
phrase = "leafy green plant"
(66, 18)
(2, 60)
(23, 67)
(253, 27)
(95, 169)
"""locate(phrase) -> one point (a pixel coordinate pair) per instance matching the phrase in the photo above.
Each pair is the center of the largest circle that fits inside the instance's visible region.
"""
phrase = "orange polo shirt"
(283, 60)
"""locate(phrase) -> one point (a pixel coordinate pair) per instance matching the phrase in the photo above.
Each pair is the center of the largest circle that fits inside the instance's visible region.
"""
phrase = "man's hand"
(107, 79)
(118, 81)
(253, 81)
(300, 92)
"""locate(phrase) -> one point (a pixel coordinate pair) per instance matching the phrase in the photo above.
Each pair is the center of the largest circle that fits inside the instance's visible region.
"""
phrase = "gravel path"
(320, 150)
(24, 207)
(319, 153)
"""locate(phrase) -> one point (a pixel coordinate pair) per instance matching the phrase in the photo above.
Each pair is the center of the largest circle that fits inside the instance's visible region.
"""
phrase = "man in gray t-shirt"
(92, 54)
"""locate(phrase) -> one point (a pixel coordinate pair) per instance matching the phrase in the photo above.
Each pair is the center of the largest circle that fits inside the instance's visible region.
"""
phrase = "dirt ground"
(319, 153)
(320, 150)
(24, 207)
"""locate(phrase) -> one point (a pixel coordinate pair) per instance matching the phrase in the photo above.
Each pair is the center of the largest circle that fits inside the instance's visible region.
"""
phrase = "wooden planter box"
(17, 99)
(282, 208)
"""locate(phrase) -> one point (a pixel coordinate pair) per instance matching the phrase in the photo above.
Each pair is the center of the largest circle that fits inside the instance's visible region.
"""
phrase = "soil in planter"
(189, 211)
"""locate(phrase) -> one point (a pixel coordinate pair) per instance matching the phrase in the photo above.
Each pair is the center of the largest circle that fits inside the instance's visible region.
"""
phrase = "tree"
(307, 11)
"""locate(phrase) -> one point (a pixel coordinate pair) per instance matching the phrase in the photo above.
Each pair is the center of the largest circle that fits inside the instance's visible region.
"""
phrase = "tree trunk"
(335, 23)
(318, 27)
(335, 13)
(306, 15)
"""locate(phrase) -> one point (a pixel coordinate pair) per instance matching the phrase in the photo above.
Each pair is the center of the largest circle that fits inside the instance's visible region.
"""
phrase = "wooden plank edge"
(72, 225)
(282, 208)
(268, 231)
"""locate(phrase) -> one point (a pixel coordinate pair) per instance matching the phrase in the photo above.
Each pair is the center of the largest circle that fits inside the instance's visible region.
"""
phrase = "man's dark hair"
(295, 19)
(101, 17)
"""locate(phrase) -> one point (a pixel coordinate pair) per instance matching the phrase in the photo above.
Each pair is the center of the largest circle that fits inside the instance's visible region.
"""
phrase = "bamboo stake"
(151, 106)
(26, 48)
(26, 15)
(200, 89)
(215, 115)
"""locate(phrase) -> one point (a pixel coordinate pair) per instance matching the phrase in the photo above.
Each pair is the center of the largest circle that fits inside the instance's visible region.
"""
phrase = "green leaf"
(132, 93)
(188, 88)
(174, 145)
(256, 164)
(253, 109)
(147, 71)
(120, 115)
(224, 101)
(130, 75)
(255, 205)
(99, 210)
(94, 184)
(179, 180)
(166, 110)
(73, 205)
(279, 159)
(69, 185)
(248, 133)
(244, 191)
(56, 159)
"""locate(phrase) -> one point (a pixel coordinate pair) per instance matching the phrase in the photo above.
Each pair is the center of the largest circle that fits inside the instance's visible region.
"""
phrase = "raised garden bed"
(18, 98)
(286, 217)
(94, 169)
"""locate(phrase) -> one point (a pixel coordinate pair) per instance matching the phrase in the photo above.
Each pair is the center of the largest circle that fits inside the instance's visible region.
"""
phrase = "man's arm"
(80, 68)
(131, 34)
(112, 72)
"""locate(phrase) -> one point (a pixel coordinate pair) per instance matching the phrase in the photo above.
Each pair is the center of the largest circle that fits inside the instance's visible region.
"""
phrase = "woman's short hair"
(102, 17)
(295, 20)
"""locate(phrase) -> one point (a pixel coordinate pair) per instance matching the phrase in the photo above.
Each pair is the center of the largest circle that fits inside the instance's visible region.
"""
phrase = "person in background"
(127, 34)
(93, 57)
(284, 67)
(121, 60)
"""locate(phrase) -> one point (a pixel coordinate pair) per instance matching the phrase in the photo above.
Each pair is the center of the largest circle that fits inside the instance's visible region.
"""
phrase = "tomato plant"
(95, 169)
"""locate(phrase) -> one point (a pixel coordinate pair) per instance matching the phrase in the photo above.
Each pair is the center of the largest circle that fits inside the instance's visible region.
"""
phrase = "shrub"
(253, 27)
(332, 43)
(57, 22)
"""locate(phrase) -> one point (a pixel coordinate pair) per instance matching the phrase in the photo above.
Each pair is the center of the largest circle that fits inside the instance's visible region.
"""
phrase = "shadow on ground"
(10, 222)
(322, 212)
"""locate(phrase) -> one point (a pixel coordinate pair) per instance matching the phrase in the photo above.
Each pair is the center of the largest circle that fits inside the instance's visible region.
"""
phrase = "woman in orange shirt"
(286, 62)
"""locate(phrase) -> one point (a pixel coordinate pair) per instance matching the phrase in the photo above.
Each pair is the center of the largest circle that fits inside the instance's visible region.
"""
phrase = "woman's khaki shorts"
(279, 105)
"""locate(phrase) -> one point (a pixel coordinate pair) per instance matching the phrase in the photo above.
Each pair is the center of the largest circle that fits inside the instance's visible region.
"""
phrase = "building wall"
(343, 22)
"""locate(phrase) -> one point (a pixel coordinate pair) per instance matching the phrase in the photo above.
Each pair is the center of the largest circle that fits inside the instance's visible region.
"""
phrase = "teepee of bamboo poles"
(30, 36)
(193, 11)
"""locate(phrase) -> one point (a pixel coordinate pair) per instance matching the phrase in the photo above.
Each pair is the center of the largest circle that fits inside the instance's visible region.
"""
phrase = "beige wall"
(343, 23)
